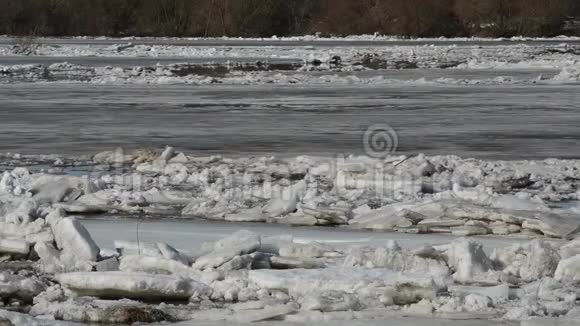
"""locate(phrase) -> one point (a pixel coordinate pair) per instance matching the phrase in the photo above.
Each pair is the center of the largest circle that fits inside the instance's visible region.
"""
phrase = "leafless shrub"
(513, 17)
(25, 45)
(284, 17)
(395, 17)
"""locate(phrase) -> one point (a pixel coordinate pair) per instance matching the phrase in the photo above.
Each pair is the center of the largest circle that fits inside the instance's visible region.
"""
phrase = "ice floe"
(342, 64)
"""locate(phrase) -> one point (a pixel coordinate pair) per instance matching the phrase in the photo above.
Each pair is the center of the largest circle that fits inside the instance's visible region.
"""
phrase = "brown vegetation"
(410, 18)
(513, 17)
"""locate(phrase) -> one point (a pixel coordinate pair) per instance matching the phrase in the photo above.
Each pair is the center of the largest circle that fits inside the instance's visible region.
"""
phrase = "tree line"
(264, 18)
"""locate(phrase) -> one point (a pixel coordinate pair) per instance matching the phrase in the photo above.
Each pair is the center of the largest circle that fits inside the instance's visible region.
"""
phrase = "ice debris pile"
(416, 194)
(51, 268)
(247, 277)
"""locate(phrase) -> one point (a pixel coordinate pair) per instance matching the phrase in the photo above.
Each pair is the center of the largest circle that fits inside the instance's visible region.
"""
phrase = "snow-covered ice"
(298, 63)
(117, 285)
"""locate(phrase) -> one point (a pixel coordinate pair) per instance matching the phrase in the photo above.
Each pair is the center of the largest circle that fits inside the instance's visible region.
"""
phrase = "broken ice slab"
(278, 262)
(469, 230)
(33, 232)
(19, 287)
(14, 247)
(502, 228)
(498, 294)
(240, 243)
(328, 215)
(74, 239)
(330, 301)
(442, 223)
(403, 288)
(139, 286)
(559, 226)
(248, 215)
(307, 250)
(9, 318)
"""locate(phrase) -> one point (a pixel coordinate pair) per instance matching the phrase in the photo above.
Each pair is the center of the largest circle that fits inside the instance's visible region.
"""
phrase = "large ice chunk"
(404, 288)
(74, 240)
(530, 261)
(467, 259)
(279, 207)
(308, 250)
(159, 265)
(397, 259)
(240, 243)
(36, 231)
(157, 249)
(568, 269)
(330, 301)
(50, 190)
(14, 247)
(140, 286)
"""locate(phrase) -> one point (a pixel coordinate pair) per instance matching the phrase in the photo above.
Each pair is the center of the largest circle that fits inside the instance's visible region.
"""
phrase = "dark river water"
(507, 122)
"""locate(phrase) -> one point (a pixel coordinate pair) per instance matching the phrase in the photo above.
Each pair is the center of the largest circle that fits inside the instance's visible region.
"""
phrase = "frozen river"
(497, 99)
(507, 122)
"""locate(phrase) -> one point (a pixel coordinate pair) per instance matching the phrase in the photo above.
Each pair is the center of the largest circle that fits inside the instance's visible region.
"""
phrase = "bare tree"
(285, 17)
(301, 12)
(25, 44)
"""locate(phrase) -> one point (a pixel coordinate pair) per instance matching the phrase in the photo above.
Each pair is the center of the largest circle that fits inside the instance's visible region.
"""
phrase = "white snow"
(529, 262)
